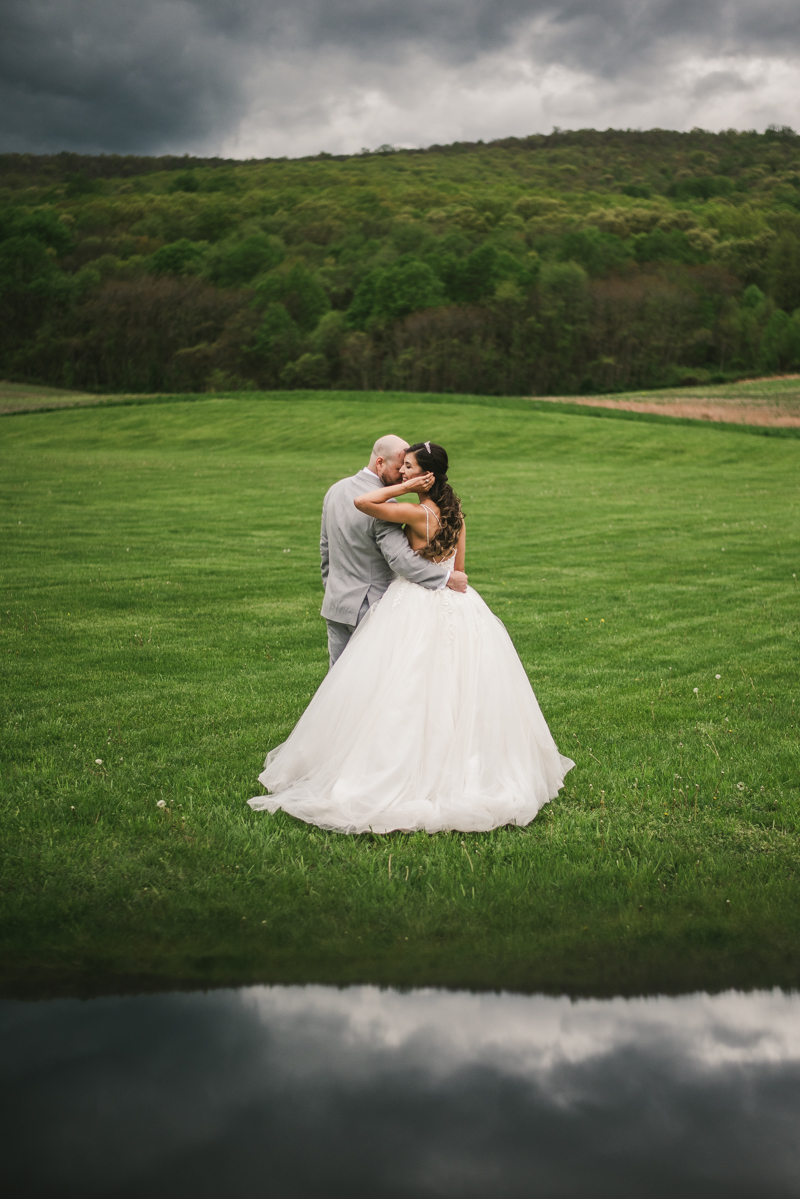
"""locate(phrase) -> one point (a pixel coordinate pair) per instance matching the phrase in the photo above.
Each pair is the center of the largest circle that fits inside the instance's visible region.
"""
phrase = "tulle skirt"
(427, 721)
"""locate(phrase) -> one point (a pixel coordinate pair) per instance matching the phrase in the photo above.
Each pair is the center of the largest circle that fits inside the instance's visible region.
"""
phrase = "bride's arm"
(461, 547)
(377, 503)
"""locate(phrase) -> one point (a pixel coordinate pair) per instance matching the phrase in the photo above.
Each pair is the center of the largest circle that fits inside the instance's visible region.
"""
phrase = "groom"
(361, 555)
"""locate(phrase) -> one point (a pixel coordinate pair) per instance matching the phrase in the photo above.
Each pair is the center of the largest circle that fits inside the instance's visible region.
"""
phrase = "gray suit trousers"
(339, 634)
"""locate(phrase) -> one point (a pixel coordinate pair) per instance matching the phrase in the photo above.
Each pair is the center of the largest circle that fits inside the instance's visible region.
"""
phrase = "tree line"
(579, 262)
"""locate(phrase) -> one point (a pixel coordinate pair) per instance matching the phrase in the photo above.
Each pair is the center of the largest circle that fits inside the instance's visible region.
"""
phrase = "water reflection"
(299, 1091)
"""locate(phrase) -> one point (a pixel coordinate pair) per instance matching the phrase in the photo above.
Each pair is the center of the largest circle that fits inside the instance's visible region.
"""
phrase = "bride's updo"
(433, 458)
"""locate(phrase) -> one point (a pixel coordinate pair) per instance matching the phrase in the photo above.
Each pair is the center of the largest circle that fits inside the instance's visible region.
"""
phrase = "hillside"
(575, 262)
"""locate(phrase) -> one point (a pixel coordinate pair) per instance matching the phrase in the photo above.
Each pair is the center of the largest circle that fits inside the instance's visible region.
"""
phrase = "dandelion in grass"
(740, 786)
(717, 676)
(98, 761)
(161, 803)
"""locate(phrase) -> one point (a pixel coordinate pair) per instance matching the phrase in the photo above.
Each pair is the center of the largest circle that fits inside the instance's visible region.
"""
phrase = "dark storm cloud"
(586, 33)
(179, 75)
(298, 1091)
(88, 75)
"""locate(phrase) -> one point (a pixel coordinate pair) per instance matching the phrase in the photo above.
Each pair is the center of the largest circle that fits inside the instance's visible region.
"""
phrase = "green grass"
(775, 394)
(159, 606)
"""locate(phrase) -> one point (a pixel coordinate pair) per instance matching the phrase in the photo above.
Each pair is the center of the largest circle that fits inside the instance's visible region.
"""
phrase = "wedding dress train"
(427, 721)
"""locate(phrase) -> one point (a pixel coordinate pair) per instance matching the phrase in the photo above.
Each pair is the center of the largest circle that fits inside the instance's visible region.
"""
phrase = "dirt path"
(27, 397)
(699, 407)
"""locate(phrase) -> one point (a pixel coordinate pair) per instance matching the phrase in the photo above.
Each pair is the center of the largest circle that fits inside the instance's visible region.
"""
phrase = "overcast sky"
(246, 78)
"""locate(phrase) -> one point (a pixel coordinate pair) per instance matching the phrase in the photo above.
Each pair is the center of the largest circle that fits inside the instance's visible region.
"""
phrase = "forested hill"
(580, 261)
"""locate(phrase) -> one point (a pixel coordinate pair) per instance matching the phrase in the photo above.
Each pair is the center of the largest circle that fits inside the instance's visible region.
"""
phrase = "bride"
(427, 720)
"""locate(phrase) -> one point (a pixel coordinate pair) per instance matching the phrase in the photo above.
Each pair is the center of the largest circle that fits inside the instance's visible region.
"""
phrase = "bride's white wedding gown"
(427, 721)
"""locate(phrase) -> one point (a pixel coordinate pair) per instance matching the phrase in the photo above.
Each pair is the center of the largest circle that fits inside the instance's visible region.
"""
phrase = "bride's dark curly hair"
(433, 458)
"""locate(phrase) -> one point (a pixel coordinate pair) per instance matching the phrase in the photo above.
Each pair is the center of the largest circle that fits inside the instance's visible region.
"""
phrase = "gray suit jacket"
(361, 555)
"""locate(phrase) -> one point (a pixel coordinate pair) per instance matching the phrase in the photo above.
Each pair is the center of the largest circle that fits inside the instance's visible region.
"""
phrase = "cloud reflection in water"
(292, 1091)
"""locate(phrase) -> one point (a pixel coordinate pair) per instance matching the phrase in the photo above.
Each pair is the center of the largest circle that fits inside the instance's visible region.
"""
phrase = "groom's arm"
(323, 544)
(393, 544)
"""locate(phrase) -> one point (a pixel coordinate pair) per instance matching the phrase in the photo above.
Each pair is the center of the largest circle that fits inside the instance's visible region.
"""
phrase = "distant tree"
(79, 185)
(597, 252)
(219, 181)
(328, 339)
(309, 370)
(474, 277)
(559, 325)
(363, 303)
(663, 245)
(389, 294)
(44, 224)
(300, 293)
(783, 270)
(407, 286)
(745, 257)
(181, 257)
(636, 189)
(232, 263)
(31, 287)
(126, 336)
(304, 297)
(360, 362)
(186, 181)
(780, 343)
(276, 343)
(702, 187)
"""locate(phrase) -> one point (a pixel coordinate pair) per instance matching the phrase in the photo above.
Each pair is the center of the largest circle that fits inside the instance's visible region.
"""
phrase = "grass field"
(160, 632)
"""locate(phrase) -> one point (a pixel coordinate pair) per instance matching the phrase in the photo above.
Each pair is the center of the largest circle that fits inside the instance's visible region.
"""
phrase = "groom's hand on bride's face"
(457, 581)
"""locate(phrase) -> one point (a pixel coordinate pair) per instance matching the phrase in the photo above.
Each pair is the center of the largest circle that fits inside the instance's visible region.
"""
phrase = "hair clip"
(428, 446)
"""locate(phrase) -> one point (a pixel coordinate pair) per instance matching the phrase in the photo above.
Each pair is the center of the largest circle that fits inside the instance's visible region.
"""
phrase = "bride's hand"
(421, 483)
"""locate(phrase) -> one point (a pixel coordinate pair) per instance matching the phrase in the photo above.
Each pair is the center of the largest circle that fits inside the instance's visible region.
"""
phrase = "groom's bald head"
(387, 458)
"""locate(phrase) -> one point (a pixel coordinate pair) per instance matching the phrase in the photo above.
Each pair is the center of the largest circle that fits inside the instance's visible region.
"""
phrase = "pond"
(306, 1091)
